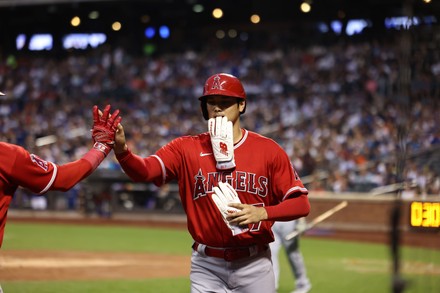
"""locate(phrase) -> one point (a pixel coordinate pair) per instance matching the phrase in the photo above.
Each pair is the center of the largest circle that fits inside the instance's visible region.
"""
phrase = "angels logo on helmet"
(216, 84)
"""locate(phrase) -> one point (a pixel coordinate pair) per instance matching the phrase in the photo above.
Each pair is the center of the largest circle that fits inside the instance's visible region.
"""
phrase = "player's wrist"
(263, 214)
(102, 147)
(120, 149)
(94, 157)
(226, 165)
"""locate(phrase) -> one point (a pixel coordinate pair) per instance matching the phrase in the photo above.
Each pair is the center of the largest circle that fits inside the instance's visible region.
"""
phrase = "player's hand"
(223, 195)
(104, 128)
(120, 141)
(246, 214)
(222, 140)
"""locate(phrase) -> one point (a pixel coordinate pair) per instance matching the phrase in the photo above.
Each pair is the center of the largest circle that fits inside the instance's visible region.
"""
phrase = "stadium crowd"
(338, 109)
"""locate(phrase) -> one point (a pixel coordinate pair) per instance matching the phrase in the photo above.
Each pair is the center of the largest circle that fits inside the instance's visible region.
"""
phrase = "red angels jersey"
(263, 176)
(17, 166)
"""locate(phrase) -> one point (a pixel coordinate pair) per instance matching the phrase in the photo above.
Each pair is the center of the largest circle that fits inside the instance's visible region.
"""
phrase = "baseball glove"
(223, 195)
(222, 140)
(104, 129)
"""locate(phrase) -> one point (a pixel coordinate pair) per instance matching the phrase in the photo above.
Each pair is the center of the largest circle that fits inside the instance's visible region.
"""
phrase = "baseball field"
(104, 256)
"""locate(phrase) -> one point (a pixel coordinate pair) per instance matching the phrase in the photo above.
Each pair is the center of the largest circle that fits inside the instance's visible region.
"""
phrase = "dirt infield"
(69, 265)
(49, 265)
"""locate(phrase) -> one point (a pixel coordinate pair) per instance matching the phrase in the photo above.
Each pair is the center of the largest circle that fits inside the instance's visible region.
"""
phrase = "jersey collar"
(244, 136)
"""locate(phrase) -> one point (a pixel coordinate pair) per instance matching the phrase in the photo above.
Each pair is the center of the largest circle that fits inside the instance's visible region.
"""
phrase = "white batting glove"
(222, 140)
(223, 195)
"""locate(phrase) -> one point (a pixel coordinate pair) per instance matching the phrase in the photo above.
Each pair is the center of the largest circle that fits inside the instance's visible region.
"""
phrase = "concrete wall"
(363, 212)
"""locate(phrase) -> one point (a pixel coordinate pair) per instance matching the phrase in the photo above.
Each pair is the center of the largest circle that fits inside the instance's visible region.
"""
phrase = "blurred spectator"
(338, 116)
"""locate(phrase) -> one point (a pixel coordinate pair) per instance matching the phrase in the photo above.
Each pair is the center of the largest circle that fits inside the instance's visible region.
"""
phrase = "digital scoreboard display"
(425, 214)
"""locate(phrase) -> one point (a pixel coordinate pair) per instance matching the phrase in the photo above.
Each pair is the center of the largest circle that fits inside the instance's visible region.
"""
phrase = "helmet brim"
(222, 93)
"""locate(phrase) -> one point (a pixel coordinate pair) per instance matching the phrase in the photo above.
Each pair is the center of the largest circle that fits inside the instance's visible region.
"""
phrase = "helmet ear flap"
(204, 109)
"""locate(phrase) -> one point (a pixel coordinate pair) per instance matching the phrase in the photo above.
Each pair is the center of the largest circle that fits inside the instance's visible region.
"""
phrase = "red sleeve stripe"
(162, 166)
(296, 189)
(54, 175)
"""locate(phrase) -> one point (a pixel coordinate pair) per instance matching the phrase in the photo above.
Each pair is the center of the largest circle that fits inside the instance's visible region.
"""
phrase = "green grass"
(342, 266)
(333, 266)
(176, 285)
(20, 236)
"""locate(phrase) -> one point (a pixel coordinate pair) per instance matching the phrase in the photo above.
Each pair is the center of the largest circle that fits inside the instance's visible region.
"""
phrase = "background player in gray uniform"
(294, 255)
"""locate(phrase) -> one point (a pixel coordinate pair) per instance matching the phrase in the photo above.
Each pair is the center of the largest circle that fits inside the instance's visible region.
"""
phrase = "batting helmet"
(222, 84)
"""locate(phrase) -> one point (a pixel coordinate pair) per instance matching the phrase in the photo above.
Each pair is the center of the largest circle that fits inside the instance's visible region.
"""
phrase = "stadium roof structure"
(181, 11)
(54, 16)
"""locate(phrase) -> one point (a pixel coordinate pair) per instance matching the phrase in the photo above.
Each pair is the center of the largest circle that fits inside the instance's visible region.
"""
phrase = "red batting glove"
(104, 129)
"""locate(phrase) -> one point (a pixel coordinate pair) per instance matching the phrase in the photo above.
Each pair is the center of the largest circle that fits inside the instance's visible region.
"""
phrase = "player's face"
(224, 106)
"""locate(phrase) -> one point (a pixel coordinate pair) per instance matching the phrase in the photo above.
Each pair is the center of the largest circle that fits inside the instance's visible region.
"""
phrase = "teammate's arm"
(31, 172)
(103, 134)
(71, 173)
(40, 176)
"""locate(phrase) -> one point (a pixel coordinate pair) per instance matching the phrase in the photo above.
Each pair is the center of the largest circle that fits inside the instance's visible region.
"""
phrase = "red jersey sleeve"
(142, 169)
(290, 209)
(38, 175)
(30, 171)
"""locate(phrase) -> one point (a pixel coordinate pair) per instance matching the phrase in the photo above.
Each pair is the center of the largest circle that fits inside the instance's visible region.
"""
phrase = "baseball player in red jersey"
(20, 168)
(233, 184)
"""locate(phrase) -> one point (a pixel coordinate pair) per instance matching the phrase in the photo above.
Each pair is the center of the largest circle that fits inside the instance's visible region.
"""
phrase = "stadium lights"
(336, 26)
(255, 18)
(232, 33)
(217, 13)
(164, 32)
(116, 26)
(40, 42)
(83, 40)
(220, 34)
(20, 41)
(94, 15)
(198, 8)
(306, 7)
(356, 26)
(150, 32)
(75, 21)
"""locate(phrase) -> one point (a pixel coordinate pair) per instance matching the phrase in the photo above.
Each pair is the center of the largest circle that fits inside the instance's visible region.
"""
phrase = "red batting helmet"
(222, 84)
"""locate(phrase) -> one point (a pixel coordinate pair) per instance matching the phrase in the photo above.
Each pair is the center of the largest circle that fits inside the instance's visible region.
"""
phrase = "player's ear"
(241, 105)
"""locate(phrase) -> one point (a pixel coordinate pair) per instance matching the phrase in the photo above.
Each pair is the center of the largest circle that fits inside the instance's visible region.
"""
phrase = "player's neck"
(238, 133)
